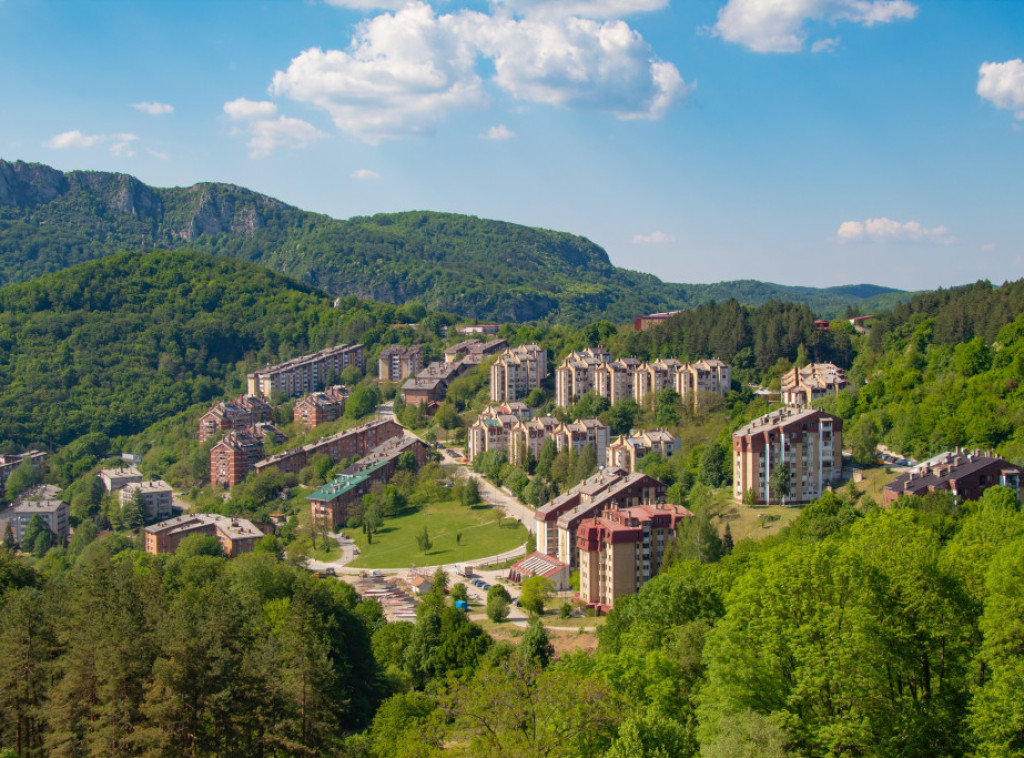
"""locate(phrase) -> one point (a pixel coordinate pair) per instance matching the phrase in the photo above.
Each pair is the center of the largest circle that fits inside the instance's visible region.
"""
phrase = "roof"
(781, 419)
(539, 564)
(944, 470)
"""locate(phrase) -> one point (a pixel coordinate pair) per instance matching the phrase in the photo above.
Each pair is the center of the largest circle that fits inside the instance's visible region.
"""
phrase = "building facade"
(307, 373)
(807, 443)
(395, 363)
(115, 479)
(802, 386)
(233, 457)
(517, 372)
(319, 408)
(11, 461)
(237, 536)
(54, 514)
(966, 475)
(627, 450)
(241, 413)
(350, 443)
(156, 498)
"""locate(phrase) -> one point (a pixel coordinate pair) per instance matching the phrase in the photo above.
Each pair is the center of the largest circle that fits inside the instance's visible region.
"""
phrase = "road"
(494, 495)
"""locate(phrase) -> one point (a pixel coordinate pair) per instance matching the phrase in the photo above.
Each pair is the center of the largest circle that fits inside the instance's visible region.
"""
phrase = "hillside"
(113, 345)
(492, 270)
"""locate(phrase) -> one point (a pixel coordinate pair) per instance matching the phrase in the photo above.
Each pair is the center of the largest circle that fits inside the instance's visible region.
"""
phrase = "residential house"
(115, 479)
(517, 372)
(237, 536)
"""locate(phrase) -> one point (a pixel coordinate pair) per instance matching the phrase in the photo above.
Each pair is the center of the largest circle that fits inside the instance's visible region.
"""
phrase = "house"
(430, 385)
(966, 475)
(802, 386)
(395, 362)
(237, 536)
(243, 412)
(155, 497)
(421, 585)
(233, 457)
(115, 478)
(808, 443)
(490, 329)
(307, 373)
(622, 549)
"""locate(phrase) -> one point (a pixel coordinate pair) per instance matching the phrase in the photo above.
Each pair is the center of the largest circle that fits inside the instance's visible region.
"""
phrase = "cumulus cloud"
(406, 70)
(826, 45)
(882, 229)
(498, 133)
(118, 144)
(267, 130)
(1002, 84)
(778, 26)
(365, 173)
(582, 8)
(154, 109)
(654, 238)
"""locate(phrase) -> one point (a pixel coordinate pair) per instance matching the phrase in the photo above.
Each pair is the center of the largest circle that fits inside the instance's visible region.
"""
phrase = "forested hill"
(113, 345)
(493, 270)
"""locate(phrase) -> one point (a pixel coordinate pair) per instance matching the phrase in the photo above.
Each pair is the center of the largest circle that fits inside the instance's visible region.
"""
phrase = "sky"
(804, 142)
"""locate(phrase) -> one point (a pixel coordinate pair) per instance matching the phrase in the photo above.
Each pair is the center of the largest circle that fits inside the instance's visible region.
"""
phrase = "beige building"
(497, 430)
(802, 386)
(306, 374)
(622, 549)
(577, 374)
(651, 378)
(808, 443)
(627, 450)
(517, 372)
(703, 377)
(116, 478)
(395, 363)
(156, 496)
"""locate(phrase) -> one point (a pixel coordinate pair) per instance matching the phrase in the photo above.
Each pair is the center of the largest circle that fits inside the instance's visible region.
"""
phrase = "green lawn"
(394, 546)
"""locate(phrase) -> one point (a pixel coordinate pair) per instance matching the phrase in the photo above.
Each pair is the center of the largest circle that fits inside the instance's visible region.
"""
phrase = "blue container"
(461, 605)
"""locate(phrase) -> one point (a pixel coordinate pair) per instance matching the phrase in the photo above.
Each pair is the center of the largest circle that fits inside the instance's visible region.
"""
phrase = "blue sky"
(814, 142)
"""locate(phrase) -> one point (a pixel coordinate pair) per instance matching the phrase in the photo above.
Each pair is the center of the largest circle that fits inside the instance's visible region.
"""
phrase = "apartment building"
(577, 374)
(430, 385)
(517, 372)
(241, 413)
(558, 519)
(395, 363)
(115, 479)
(233, 457)
(237, 536)
(53, 512)
(802, 386)
(156, 498)
(620, 550)
(494, 430)
(625, 451)
(319, 408)
(341, 498)
(529, 436)
(966, 475)
(655, 376)
(703, 377)
(307, 373)
(355, 442)
(11, 461)
(642, 323)
(808, 443)
(473, 349)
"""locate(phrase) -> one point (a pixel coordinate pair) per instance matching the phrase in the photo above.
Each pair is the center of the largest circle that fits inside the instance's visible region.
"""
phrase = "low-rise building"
(243, 412)
(115, 479)
(431, 384)
(966, 475)
(11, 461)
(233, 457)
(156, 498)
(318, 408)
(807, 443)
(237, 536)
(627, 450)
(53, 512)
(541, 564)
(622, 549)
(642, 323)
(802, 386)
(395, 362)
(470, 348)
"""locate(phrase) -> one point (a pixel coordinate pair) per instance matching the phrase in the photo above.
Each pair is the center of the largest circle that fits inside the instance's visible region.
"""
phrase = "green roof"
(344, 483)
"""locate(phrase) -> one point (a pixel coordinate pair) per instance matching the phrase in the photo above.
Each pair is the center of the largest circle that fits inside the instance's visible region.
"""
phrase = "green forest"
(479, 268)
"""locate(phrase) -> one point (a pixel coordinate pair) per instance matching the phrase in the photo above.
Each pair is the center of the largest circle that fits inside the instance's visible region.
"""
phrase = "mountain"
(492, 270)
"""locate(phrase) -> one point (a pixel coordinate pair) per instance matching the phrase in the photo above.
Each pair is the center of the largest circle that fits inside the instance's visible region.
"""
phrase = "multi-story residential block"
(802, 386)
(156, 498)
(341, 498)
(490, 329)
(116, 478)
(641, 323)
(53, 512)
(495, 430)
(622, 549)
(807, 443)
(577, 374)
(703, 377)
(491, 431)
(355, 442)
(237, 536)
(964, 474)
(614, 381)
(473, 349)
(626, 450)
(233, 457)
(305, 374)
(651, 378)
(241, 413)
(558, 520)
(579, 434)
(319, 408)
(517, 372)
(11, 461)
(395, 363)
(431, 384)
(529, 436)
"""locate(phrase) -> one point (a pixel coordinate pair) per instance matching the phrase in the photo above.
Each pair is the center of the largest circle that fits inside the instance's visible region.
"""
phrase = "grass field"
(394, 546)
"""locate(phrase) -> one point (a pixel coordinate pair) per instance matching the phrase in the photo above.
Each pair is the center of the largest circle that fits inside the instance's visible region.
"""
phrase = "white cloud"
(118, 144)
(406, 70)
(154, 109)
(654, 238)
(777, 26)
(244, 110)
(365, 173)
(1002, 84)
(366, 5)
(826, 45)
(882, 229)
(498, 133)
(158, 155)
(582, 8)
